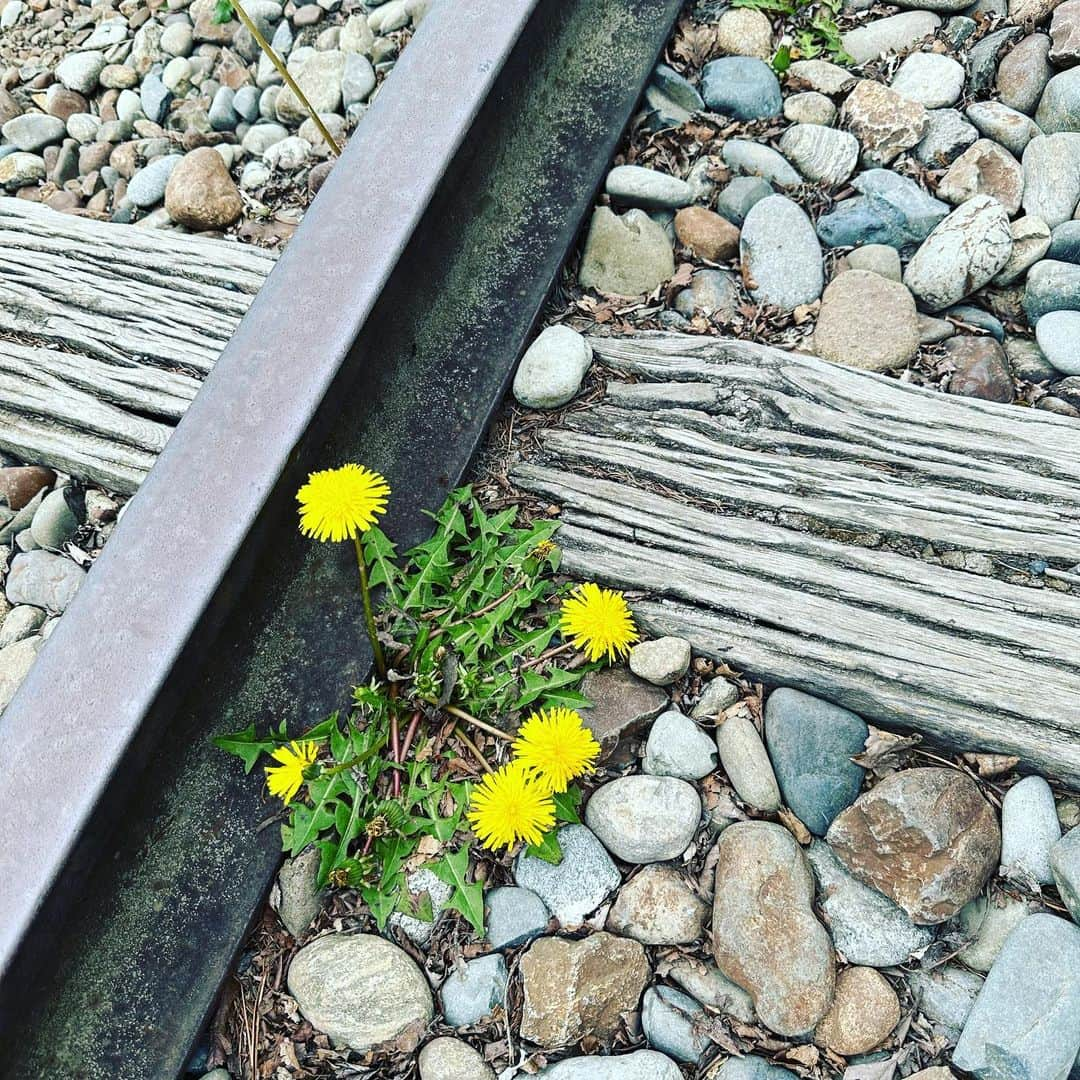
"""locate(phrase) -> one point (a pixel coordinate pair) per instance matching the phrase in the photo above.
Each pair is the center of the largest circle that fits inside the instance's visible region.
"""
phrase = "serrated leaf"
(548, 849)
(468, 896)
(246, 745)
(309, 822)
(566, 806)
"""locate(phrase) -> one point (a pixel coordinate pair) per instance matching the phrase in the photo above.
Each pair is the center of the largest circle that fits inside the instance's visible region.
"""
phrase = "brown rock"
(20, 483)
(622, 704)
(205, 29)
(125, 159)
(884, 122)
(867, 321)
(64, 103)
(707, 234)
(232, 71)
(984, 168)
(94, 157)
(201, 194)
(982, 370)
(317, 176)
(9, 107)
(766, 937)
(1065, 34)
(577, 988)
(926, 838)
(863, 1014)
(658, 907)
(1023, 73)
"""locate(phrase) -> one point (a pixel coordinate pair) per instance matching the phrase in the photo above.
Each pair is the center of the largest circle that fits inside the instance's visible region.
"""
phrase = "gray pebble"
(54, 522)
(44, 580)
(553, 367)
(946, 995)
(678, 747)
(513, 916)
(780, 254)
(747, 764)
(650, 189)
(671, 1021)
(33, 131)
(740, 194)
(742, 87)
(644, 819)
(1029, 829)
(579, 884)
(147, 186)
(19, 623)
(1065, 863)
(471, 991)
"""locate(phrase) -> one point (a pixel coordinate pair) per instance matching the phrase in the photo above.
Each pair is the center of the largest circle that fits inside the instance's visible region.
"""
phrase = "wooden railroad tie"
(869, 541)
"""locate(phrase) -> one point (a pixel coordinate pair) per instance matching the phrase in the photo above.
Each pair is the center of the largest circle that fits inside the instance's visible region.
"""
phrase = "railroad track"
(386, 333)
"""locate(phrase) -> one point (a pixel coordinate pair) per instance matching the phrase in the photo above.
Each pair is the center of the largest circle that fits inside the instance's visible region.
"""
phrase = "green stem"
(369, 617)
(283, 71)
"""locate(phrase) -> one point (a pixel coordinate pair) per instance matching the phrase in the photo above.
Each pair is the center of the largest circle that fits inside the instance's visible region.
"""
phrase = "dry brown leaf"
(991, 765)
(886, 752)
(794, 826)
(805, 1055)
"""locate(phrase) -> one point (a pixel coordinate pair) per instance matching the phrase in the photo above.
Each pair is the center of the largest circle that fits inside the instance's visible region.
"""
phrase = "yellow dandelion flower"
(286, 779)
(339, 504)
(508, 806)
(557, 745)
(598, 621)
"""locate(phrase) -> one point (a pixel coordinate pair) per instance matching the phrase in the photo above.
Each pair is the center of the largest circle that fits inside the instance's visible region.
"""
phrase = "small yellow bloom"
(286, 779)
(598, 621)
(339, 504)
(508, 806)
(557, 745)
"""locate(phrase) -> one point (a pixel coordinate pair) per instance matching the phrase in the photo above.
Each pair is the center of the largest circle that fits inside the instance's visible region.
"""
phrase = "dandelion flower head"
(285, 779)
(598, 621)
(339, 504)
(557, 746)
(508, 806)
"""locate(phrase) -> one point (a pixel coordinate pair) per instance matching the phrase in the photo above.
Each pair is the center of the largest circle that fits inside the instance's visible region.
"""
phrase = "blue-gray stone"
(983, 59)
(946, 995)
(677, 89)
(246, 103)
(640, 1065)
(1065, 242)
(742, 87)
(576, 886)
(811, 743)
(748, 158)
(740, 194)
(668, 1019)
(1065, 863)
(154, 96)
(514, 915)
(1059, 106)
(470, 992)
(1058, 336)
(223, 114)
(975, 316)
(752, 1067)
(1026, 1021)
(892, 209)
(1051, 286)
(147, 186)
(958, 29)
(780, 254)
(1029, 829)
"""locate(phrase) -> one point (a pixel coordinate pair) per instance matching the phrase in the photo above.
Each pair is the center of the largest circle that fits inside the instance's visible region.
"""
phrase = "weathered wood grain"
(105, 333)
(774, 509)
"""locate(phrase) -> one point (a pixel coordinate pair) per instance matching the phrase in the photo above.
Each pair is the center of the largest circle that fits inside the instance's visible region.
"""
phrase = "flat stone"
(360, 990)
(640, 1065)
(1057, 334)
(742, 87)
(16, 660)
(147, 186)
(553, 367)
(885, 123)
(744, 32)
(1024, 72)
(1032, 240)
(679, 89)
(863, 1014)
(1065, 864)
(984, 169)
(811, 743)
(1051, 286)
(781, 256)
(622, 705)
(740, 194)
(513, 916)
(452, 1059)
(765, 935)
(746, 158)
(1052, 177)
(79, 71)
(297, 897)
(747, 764)
(707, 234)
(946, 137)
(895, 33)
(155, 98)
(44, 580)
(661, 661)
(1029, 829)
(319, 76)
(1059, 106)
(810, 107)
(946, 995)
(867, 928)
(820, 75)
(1026, 1019)
(986, 923)
(579, 884)
(933, 331)
(752, 1067)
(1010, 127)
(658, 907)
(33, 131)
(929, 78)
(644, 819)
(893, 210)
(651, 189)
(625, 255)
(926, 838)
(822, 154)
(577, 988)
(672, 1023)
(474, 990)
(712, 293)
(712, 988)
(1065, 242)
(867, 321)
(678, 747)
(876, 259)
(961, 255)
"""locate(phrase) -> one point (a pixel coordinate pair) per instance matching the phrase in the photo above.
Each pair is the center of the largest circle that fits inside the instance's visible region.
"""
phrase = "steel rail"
(131, 858)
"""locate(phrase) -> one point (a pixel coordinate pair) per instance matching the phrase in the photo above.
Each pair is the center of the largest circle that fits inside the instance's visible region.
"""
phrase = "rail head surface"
(102, 671)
